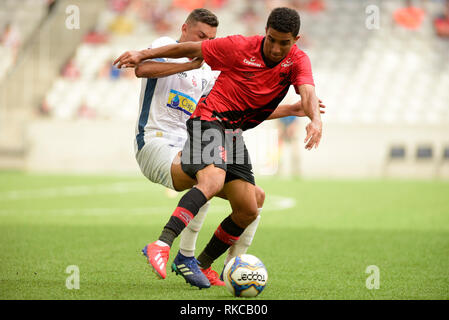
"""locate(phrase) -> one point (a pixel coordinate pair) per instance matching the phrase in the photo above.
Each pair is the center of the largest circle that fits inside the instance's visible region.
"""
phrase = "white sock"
(189, 235)
(245, 240)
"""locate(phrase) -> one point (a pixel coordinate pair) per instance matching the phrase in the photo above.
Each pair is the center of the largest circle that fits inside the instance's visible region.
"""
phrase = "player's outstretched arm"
(156, 69)
(296, 110)
(312, 110)
(179, 50)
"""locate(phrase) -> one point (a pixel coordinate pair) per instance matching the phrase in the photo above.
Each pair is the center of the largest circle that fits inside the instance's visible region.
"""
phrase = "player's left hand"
(314, 130)
(197, 63)
(129, 59)
(300, 111)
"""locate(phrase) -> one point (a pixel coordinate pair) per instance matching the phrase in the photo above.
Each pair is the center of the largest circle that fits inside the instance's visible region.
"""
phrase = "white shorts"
(155, 160)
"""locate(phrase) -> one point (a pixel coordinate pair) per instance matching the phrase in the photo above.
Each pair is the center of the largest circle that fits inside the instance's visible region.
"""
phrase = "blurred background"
(381, 67)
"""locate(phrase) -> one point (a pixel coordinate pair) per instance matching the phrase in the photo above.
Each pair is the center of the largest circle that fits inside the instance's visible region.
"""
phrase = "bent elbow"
(142, 72)
(138, 72)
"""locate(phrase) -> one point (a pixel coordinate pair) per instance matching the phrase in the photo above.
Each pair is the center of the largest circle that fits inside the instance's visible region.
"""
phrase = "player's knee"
(210, 180)
(210, 186)
(247, 215)
(252, 214)
(215, 185)
(260, 197)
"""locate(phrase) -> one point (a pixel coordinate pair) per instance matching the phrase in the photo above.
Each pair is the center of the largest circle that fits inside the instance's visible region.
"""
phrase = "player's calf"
(187, 209)
(227, 233)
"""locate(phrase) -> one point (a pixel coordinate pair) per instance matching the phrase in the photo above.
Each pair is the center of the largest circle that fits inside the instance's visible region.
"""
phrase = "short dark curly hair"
(204, 16)
(284, 20)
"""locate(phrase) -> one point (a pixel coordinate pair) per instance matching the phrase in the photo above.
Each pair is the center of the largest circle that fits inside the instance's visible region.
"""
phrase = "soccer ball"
(245, 276)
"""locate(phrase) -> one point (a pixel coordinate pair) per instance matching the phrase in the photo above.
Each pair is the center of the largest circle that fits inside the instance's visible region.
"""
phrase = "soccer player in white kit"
(170, 91)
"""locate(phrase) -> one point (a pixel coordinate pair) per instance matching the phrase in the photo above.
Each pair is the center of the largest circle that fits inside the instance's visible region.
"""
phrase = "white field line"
(277, 203)
(74, 191)
(273, 202)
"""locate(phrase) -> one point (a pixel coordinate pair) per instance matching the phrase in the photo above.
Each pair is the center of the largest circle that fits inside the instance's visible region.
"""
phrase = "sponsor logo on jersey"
(248, 74)
(181, 101)
(203, 84)
(252, 62)
(287, 63)
(285, 78)
(182, 75)
(222, 153)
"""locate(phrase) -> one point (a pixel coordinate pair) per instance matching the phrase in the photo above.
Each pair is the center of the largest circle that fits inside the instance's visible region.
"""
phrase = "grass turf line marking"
(276, 203)
(74, 191)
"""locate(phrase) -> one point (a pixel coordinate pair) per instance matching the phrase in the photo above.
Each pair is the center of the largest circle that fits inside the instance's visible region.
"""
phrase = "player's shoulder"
(249, 40)
(297, 56)
(239, 39)
(254, 42)
(244, 45)
(162, 41)
(296, 52)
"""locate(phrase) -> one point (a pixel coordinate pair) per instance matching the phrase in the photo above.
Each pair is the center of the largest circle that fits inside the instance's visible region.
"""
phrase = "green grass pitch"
(316, 238)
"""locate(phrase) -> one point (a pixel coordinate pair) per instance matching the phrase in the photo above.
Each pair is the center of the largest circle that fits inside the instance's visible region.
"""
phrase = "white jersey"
(167, 103)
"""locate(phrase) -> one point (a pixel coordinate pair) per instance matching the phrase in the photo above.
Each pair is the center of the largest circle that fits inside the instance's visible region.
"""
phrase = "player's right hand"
(129, 59)
(314, 131)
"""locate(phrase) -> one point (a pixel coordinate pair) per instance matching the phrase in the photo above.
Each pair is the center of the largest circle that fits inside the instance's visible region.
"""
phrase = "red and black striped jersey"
(248, 90)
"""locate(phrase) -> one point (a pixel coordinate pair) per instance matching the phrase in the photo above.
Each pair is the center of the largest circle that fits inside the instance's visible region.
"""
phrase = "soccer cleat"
(213, 277)
(157, 257)
(188, 268)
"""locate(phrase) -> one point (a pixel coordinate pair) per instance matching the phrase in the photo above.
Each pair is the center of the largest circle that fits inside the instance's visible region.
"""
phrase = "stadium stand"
(392, 77)
(18, 21)
(371, 76)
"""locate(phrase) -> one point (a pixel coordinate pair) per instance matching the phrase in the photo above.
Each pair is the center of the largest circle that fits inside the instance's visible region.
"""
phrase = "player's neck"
(269, 63)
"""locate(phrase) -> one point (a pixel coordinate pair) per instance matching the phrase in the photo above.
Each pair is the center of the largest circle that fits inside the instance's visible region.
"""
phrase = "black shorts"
(210, 143)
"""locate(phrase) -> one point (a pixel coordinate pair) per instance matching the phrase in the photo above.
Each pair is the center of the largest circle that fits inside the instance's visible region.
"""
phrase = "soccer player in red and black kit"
(256, 73)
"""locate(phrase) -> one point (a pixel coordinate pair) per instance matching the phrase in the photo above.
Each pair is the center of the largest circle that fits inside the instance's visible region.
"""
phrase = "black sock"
(187, 208)
(225, 236)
